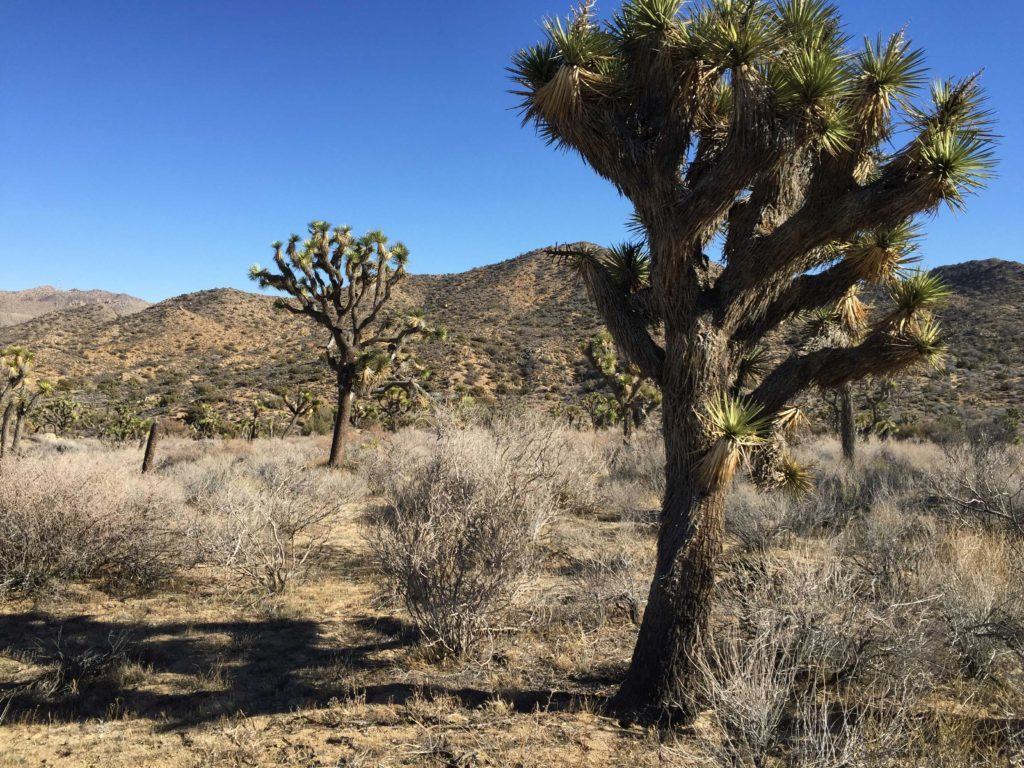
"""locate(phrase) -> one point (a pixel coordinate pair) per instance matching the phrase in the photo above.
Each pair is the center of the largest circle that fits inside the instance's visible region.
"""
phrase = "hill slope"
(515, 329)
(22, 306)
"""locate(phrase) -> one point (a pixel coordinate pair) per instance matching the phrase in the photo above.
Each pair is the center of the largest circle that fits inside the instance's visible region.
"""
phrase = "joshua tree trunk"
(151, 441)
(19, 423)
(346, 382)
(660, 680)
(847, 424)
(5, 428)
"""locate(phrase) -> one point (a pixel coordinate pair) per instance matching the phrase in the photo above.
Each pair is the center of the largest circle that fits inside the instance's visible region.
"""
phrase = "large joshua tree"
(755, 128)
(343, 283)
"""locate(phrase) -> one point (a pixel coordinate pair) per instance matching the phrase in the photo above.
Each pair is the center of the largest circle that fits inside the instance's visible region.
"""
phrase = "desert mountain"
(514, 329)
(20, 306)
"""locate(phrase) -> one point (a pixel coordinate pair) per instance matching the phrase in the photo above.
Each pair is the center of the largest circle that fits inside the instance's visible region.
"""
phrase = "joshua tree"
(60, 414)
(23, 405)
(749, 125)
(15, 365)
(252, 427)
(634, 396)
(299, 403)
(343, 283)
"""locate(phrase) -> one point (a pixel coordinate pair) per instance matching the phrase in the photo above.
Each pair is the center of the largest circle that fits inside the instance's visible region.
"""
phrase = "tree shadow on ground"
(81, 669)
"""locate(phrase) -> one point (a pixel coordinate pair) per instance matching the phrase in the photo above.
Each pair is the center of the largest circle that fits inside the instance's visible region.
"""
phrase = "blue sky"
(157, 146)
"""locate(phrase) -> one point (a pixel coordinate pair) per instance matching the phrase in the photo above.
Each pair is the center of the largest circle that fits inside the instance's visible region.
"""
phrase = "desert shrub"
(886, 546)
(266, 519)
(866, 729)
(757, 519)
(609, 575)
(813, 596)
(641, 462)
(896, 469)
(985, 484)
(87, 517)
(73, 667)
(978, 589)
(884, 471)
(456, 538)
(576, 465)
(748, 684)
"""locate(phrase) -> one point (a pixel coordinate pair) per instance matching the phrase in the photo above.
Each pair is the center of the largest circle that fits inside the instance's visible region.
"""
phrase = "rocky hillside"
(515, 329)
(20, 306)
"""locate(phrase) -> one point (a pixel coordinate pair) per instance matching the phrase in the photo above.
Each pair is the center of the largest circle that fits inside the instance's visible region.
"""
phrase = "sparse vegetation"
(467, 582)
(75, 517)
(876, 622)
(458, 536)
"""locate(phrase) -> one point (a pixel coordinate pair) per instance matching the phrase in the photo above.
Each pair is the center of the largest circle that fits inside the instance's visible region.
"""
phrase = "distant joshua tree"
(15, 366)
(633, 395)
(299, 402)
(343, 283)
(751, 124)
(24, 404)
(60, 413)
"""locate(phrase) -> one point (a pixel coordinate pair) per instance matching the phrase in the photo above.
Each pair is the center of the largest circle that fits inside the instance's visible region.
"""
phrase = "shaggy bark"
(19, 422)
(343, 413)
(5, 426)
(659, 685)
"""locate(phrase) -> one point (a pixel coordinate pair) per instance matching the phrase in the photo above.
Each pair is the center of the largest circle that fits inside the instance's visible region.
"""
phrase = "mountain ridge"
(514, 331)
(17, 307)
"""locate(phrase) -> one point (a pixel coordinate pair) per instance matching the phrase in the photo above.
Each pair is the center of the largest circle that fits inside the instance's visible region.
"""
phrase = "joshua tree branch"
(805, 293)
(753, 147)
(880, 353)
(625, 324)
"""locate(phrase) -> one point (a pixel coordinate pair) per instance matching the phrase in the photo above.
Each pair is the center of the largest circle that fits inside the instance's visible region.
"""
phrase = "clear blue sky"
(157, 146)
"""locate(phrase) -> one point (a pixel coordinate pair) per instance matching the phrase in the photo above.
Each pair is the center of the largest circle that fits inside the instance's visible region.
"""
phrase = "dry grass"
(871, 624)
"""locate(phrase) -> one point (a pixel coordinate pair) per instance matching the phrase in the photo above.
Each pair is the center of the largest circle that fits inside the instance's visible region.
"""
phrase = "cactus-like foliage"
(756, 127)
(24, 404)
(15, 366)
(632, 396)
(59, 413)
(343, 283)
(739, 428)
(299, 402)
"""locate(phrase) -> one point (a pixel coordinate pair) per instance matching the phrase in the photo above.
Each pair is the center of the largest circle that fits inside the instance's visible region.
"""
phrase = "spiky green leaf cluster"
(795, 479)
(737, 426)
(587, 78)
(647, 21)
(629, 264)
(919, 292)
(882, 254)
(886, 76)
(926, 340)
